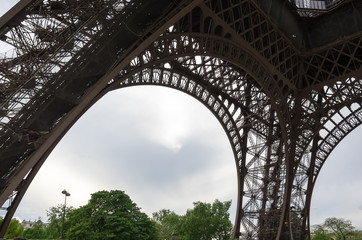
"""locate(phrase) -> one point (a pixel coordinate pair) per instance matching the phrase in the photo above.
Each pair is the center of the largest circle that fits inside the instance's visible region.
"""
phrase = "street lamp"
(66, 194)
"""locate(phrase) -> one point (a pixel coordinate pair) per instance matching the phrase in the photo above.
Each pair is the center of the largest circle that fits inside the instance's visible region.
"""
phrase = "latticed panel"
(335, 62)
(250, 23)
(176, 44)
(330, 110)
(264, 187)
(229, 81)
(300, 193)
(320, 107)
(45, 41)
(50, 41)
(225, 111)
(38, 58)
(339, 126)
(61, 49)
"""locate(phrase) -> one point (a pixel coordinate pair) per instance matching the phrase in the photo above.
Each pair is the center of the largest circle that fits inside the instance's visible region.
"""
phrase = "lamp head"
(66, 193)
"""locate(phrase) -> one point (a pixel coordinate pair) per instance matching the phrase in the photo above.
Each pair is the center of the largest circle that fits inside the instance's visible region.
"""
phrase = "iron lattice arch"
(283, 79)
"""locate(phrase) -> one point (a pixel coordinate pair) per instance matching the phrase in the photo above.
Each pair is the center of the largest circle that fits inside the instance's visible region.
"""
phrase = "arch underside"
(245, 125)
(283, 108)
(257, 139)
(261, 207)
(191, 64)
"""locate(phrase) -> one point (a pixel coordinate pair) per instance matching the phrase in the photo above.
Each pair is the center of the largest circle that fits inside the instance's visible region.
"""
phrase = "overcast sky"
(166, 150)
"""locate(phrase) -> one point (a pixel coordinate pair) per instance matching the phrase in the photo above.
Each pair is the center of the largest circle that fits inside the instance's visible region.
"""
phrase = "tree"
(339, 226)
(55, 219)
(221, 220)
(335, 228)
(37, 231)
(110, 215)
(320, 233)
(206, 221)
(357, 235)
(168, 224)
(14, 229)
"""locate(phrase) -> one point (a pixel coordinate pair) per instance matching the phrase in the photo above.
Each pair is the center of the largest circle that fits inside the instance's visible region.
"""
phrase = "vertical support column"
(240, 214)
(241, 174)
(21, 189)
(311, 174)
(267, 163)
(285, 229)
(306, 224)
(242, 171)
(267, 216)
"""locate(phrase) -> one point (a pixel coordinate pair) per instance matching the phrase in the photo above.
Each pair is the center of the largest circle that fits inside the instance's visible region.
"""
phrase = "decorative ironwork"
(285, 94)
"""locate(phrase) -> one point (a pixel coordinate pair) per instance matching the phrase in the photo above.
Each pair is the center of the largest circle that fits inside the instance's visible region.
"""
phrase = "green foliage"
(335, 228)
(168, 224)
(110, 215)
(55, 219)
(320, 233)
(204, 222)
(356, 235)
(37, 231)
(113, 215)
(221, 220)
(14, 229)
(340, 227)
(197, 222)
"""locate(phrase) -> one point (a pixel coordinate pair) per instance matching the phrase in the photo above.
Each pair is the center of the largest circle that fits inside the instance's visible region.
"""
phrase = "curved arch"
(335, 125)
(224, 111)
(268, 157)
(251, 151)
(17, 172)
(256, 122)
(177, 47)
(287, 101)
(320, 106)
(276, 86)
(327, 143)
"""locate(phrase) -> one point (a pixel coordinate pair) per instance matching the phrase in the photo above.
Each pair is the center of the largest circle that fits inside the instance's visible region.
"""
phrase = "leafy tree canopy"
(55, 219)
(37, 231)
(204, 222)
(110, 215)
(14, 229)
(168, 224)
(339, 226)
(335, 228)
(208, 221)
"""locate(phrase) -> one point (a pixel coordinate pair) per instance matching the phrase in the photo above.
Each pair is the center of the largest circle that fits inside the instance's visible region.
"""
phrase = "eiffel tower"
(283, 77)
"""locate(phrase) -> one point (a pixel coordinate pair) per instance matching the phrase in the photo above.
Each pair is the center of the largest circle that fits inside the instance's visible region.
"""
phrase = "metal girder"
(309, 31)
(284, 86)
(116, 27)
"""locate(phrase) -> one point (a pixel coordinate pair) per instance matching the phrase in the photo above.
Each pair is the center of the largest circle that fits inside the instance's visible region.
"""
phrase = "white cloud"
(122, 143)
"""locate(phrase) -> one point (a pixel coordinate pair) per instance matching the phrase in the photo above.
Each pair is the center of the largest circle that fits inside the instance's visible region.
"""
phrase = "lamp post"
(66, 194)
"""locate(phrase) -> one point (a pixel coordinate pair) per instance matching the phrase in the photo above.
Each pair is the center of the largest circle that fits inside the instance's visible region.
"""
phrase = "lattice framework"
(284, 102)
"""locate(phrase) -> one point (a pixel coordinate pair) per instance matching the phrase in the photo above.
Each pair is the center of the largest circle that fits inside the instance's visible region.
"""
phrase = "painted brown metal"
(284, 86)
